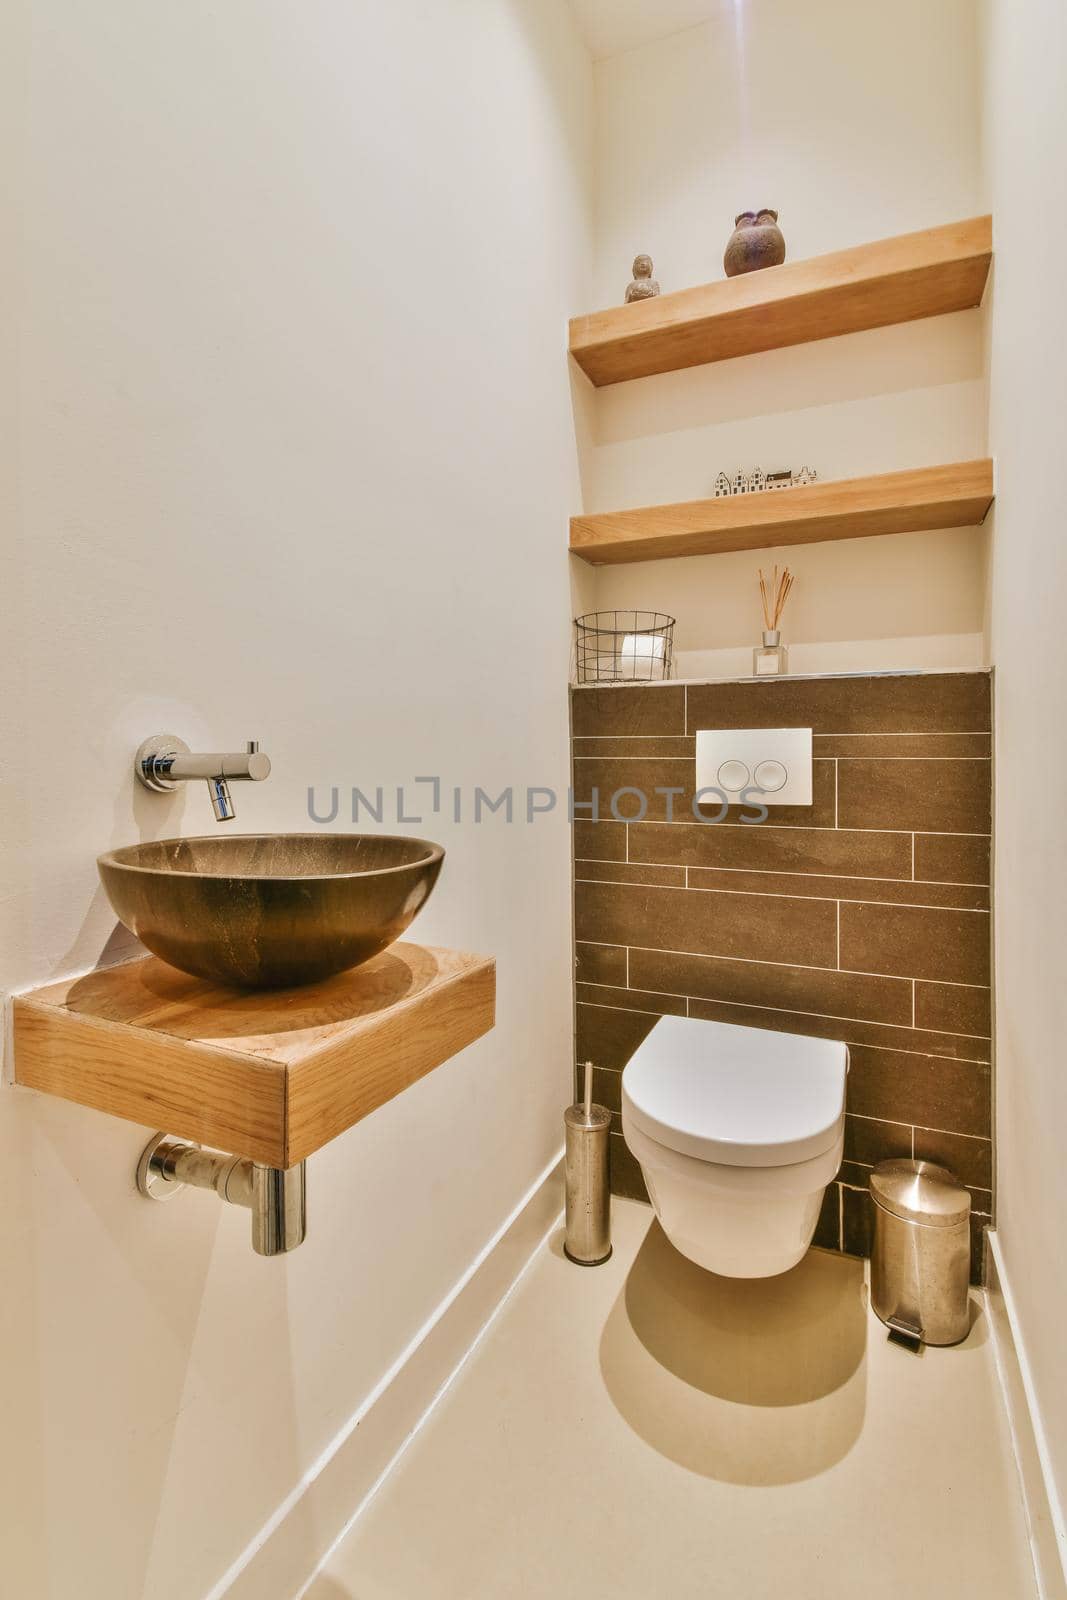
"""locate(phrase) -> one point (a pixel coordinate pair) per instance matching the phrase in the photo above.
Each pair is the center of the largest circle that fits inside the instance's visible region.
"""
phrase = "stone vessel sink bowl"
(267, 911)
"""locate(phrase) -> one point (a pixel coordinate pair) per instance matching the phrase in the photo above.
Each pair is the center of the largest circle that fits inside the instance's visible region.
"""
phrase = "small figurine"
(644, 285)
(780, 480)
(740, 482)
(755, 242)
(806, 475)
(722, 486)
(757, 481)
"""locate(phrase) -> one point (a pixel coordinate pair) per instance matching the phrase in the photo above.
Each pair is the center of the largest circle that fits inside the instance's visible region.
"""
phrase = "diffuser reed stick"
(774, 593)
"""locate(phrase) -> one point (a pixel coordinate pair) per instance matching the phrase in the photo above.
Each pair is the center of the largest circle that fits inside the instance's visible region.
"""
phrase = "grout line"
(913, 858)
(837, 814)
(913, 1006)
(626, 836)
(770, 894)
(840, 1217)
(628, 969)
(838, 904)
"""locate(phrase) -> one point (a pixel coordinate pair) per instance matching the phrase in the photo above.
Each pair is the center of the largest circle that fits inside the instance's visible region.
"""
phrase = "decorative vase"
(755, 242)
(769, 658)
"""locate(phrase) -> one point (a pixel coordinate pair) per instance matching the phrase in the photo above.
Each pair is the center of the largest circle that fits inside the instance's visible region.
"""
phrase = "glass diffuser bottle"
(770, 659)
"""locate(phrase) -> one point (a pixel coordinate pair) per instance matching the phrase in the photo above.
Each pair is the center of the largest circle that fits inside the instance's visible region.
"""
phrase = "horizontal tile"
(599, 841)
(828, 1228)
(799, 932)
(628, 710)
(927, 796)
(626, 1177)
(934, 1091)
(970, 1159)
(835, 994)
(911, 942)
(849, 1030)
(953, 1008)
(626, 872)
(951, 858)
(769, 847)
(855, 1221)
(901, 745)
(600, 963)
(891, 891)
(891, 703)
(616, 778)
(869, 1140)
(608, 1036)
(664, 1005)
(651, 745)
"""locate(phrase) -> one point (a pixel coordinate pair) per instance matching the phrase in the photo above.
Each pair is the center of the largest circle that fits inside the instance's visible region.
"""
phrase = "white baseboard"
(295, 1541)
(1044, 1514)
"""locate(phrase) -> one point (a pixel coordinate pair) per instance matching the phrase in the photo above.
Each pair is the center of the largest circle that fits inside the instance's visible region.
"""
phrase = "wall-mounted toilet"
(738, 1132)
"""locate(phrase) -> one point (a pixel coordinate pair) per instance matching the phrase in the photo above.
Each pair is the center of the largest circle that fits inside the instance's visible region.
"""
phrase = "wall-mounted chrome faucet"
(275, 1196)
(164, 761)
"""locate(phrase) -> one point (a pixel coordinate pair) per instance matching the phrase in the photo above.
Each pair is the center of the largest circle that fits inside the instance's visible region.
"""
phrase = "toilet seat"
(736, 1096)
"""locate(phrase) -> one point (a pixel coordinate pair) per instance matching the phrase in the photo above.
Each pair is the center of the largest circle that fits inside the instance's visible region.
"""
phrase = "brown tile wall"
(863, 917)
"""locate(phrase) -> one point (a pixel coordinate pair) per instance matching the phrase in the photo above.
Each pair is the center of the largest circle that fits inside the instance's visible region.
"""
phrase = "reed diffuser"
(769, 659)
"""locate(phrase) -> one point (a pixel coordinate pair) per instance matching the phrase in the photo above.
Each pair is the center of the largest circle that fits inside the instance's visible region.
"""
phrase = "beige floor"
(645, 1430)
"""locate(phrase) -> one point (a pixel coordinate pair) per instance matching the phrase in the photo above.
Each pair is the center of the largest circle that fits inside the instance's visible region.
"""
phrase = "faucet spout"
(221, 801)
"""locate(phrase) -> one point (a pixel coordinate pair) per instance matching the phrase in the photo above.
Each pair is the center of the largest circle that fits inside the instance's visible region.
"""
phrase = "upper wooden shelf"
(270, 1076)
(895, 280)
(955, 496)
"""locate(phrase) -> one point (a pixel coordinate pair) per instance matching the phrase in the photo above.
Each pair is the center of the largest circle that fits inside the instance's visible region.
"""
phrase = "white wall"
(856, 122)
(1025, 128)
(296, 459)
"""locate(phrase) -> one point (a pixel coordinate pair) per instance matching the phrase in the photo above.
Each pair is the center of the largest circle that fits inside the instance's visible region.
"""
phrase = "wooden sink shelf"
(272, 1076)
(901, 279)
(953, 496)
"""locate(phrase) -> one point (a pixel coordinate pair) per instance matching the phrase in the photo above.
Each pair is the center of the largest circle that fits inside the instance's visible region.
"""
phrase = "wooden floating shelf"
(895, 280)
(271, 1076)
(955, 496)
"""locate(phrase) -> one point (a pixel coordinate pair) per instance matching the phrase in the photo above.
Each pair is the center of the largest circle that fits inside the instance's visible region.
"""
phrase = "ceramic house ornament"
(722, 486)
(643, 286)
(740, 482)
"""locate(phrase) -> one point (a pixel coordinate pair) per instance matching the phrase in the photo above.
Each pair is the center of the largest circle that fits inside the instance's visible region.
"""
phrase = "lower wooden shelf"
(270, 1076)
(953, 496)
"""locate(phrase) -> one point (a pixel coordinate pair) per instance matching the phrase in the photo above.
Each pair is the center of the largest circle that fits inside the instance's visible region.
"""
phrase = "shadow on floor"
(756, 1381)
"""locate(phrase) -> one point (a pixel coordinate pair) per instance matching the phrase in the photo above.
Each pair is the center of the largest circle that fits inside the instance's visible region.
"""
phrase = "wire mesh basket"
(624, 646)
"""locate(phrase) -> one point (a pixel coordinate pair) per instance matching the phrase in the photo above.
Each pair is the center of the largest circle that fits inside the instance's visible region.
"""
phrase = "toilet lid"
(745, 1097)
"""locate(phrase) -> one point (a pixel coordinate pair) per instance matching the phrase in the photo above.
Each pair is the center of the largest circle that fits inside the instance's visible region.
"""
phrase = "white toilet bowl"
(738, 1132)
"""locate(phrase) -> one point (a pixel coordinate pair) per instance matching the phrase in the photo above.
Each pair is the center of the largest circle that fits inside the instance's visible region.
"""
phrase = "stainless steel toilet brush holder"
(587, 1237)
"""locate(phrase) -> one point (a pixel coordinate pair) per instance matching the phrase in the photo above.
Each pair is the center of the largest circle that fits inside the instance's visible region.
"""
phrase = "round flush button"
(733, 775)
(770, 775)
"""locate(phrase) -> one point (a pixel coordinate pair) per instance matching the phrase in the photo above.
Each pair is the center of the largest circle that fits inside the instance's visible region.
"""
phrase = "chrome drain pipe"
(276, 1196)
